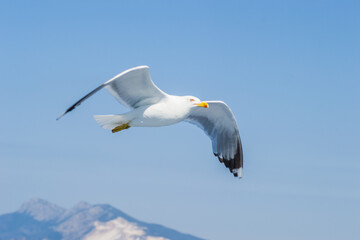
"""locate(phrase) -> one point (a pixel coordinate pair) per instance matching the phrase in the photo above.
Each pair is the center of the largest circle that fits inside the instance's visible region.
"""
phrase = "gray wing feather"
(132, 88)
(219, 123)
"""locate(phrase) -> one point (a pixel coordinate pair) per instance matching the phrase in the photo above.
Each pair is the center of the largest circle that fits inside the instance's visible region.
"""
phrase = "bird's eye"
(191, 99)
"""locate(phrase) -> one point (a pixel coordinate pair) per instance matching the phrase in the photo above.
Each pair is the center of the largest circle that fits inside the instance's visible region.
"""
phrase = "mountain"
(40, 219)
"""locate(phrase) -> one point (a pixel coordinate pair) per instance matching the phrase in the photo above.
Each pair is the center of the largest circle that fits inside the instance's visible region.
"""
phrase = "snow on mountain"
(119, 229)
(40, 219)
(80, 219)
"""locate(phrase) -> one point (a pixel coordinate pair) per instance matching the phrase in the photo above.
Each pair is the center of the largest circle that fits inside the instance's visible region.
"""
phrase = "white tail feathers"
(110, 121)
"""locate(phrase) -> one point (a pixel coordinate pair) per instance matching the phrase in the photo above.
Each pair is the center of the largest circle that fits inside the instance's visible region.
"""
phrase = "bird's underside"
(152, 107)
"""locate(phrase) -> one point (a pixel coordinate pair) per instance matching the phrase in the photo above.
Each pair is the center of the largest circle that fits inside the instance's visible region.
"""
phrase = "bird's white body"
(151, 107)
(168, 111)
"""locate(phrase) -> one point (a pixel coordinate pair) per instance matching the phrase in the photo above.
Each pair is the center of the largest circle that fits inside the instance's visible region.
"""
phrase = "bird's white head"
(195, 102)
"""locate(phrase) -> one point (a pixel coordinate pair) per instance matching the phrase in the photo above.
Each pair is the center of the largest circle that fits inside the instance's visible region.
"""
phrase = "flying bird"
(151, 107)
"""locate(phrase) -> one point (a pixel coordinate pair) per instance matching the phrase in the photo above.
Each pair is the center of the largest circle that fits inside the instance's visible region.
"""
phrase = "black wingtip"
(68, 110)
(81, 100)
(235, 164)
(60, 116)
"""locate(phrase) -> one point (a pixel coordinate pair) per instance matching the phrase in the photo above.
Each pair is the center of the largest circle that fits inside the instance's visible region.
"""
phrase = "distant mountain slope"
(40, 219)
(18, 226)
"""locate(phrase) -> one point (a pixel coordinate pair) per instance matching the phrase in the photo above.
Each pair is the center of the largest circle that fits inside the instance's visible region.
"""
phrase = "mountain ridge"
(41, 219)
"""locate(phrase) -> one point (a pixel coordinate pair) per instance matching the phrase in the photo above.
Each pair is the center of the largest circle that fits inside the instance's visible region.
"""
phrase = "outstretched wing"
(132, 88)
(219, 123)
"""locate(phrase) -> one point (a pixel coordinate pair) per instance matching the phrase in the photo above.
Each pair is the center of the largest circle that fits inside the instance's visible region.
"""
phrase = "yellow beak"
(203, 104)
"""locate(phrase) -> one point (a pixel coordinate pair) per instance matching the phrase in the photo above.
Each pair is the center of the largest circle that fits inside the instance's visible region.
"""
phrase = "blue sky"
(288, 69)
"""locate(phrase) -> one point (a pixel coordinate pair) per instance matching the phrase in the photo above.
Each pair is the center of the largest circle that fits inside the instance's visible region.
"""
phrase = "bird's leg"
(121, 127)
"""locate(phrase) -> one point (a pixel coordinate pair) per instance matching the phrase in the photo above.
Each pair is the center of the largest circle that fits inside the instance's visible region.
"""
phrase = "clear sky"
(288, 69)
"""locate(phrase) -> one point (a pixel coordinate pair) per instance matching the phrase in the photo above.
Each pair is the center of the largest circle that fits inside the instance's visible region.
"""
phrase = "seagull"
(151, 107)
